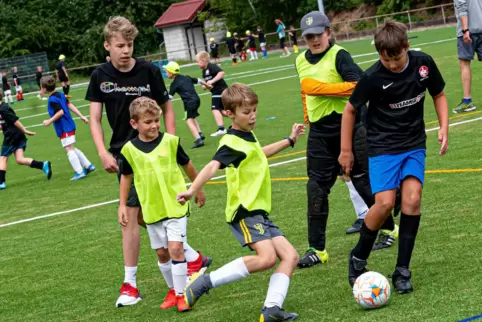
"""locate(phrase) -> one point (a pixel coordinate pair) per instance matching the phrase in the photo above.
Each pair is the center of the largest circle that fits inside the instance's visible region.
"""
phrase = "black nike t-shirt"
(147, 147)
(12, 134)
(184, 86)
(209, 73)
(116, 90)
(395, 121)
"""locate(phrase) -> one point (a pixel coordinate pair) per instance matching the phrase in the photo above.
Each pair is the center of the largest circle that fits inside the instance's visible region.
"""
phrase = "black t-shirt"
(261, 36)
(59, 68)
(116, 90)
(12, 134)
(227, 156)
(148, 147)
(395, 111)
(5, 84)
(349, 72)
(252, 41)
(214, 48)
(209, 73)
(38, 76)
(15, 78)
(230, 43)
(184, 86)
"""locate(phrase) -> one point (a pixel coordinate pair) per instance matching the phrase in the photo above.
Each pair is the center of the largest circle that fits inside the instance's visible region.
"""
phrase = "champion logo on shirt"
(109, 87)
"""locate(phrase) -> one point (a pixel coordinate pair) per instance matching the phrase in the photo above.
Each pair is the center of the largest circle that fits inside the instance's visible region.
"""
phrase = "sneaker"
(313, 257)
(274, 314)
(355, 228)
(129, 295)
(170, 300)
(89, 169)
(47, 169)
(386, 238)
(201, 135)
(198, 143)
(356, 267)
(199, 285)
(78, 176)
(3, 186)
(462, 107)
(182, 306)
(199, 266)
(401, 280)
(219, 132)
(68, 96)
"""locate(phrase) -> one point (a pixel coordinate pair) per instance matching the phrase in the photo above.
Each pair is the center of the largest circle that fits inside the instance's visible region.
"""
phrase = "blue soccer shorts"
(389, 170)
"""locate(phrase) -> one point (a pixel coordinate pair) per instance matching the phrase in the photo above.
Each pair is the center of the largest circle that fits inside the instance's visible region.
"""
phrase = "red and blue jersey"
(57, 101)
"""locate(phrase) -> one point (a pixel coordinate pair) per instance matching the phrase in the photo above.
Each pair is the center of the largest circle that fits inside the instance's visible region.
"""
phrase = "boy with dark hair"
(59, 108)
(114, 85)
(15, 142)
(38, 76)
(395, 89)
(184, 86)
(262, 41)
(248, 206)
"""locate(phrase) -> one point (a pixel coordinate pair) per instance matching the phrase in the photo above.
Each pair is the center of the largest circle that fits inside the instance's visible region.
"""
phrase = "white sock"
(179, 273)
(190, 254)
(360, 206)
(82, 158)
(74, 161)
(130, 275)
(166, 271)
(251, 54)
(278, 288)
(229, 273)
(10, 98)
(255, 54)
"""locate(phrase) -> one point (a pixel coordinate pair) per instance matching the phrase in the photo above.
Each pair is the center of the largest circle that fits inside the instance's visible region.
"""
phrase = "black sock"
(37, 164)
(68, 89)
(3, 173)
(389, 224)
(64, 89)
(221, 128)
(407, 235)
(201, 134)
(365, 243)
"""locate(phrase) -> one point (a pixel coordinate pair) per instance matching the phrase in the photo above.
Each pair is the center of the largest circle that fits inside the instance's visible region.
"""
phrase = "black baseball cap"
(314, 23)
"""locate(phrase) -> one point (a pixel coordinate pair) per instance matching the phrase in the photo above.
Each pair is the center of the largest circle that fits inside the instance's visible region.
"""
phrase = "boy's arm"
(272, 149)
(74, 109)
(206, 173)
(169, 119)
(108, 161)
(65, 71)
(314, 87)
(441, 106)
(192, 174)
(20, 126)
(125, 185)
(346, 152)
(54, 118)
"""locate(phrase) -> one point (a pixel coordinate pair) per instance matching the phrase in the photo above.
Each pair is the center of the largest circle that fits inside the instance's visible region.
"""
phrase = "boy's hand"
(183, 197)
(296, 131)
(122, 215)
(30, 133)
(200, 198)
(443, 140)
(210, 82)
(204, 87)
(109, 163)
(85, 120)
(346, 161)
(46, 122)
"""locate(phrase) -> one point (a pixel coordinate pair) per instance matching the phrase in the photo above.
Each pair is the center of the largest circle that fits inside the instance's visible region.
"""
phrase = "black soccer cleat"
(275, 314)
(356, 267)
(355, 228)
(401, 280)
(198, 143)
(313, 257)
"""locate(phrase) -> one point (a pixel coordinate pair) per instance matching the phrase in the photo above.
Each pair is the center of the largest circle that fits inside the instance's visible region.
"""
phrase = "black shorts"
(282, 43)
(217, 103)
(63, 78)
(232, 51)
(9, 149)
(191, 110)
(132, 198)
(214, 54)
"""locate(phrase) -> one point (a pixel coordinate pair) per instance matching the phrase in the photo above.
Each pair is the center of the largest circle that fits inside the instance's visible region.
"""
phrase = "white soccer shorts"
(18, 88)
(167, 230)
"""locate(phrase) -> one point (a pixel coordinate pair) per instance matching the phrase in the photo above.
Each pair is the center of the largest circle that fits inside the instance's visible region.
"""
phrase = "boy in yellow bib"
(248, 205)
(154, 158)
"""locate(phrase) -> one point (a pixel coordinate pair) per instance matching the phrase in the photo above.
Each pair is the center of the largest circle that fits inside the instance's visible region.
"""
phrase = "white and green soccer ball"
(371, 290)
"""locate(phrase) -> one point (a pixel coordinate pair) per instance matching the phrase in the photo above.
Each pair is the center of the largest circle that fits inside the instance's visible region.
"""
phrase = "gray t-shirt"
(473, 10)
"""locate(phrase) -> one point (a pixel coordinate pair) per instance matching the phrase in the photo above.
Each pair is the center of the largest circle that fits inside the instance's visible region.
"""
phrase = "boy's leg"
(217, 108)
(83, 159)
(3, 171)
(195, 131)
(74, 159)
(164, 263)
(360, 207)
(44, 166)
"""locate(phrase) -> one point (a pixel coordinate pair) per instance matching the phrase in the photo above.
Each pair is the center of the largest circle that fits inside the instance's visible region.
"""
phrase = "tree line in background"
(74, 27)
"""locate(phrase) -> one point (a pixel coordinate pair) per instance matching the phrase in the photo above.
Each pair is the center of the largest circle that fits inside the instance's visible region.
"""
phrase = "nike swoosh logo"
(387, 86)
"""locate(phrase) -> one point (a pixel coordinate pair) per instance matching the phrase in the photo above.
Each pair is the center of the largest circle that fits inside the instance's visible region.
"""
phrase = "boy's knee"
(411, 202)
(268, 261)
(386, 204)
(176, 250)
(163, 255)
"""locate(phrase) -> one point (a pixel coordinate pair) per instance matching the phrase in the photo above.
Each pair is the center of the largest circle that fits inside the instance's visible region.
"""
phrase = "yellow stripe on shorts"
(247, 235)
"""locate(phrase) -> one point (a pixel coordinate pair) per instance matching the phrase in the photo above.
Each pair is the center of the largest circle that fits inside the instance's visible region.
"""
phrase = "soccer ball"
(371, 290)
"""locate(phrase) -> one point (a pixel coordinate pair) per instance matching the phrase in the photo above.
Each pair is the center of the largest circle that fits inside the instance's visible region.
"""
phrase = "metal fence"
(26, 68)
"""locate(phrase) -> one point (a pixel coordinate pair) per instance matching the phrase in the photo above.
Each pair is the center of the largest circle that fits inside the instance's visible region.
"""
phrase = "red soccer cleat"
(170, 300)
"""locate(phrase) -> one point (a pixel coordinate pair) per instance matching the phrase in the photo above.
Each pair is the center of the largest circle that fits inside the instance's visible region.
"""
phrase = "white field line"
(39, 106)
(76, 86)
(214, 178)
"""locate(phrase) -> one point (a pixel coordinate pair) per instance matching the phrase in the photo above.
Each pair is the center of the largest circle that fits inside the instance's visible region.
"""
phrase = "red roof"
(180, 12)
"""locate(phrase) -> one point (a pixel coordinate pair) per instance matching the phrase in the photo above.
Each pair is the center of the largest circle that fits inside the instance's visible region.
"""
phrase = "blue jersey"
(57, 101)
